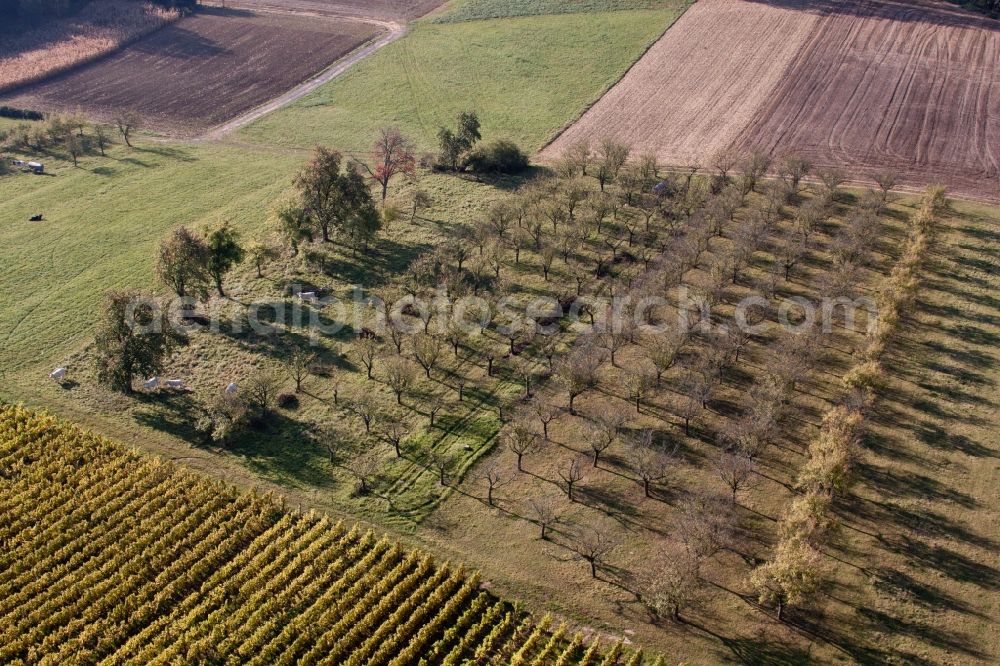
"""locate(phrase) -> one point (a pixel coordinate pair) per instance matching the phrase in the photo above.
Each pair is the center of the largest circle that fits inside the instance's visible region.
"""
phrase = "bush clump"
(499, 156)
(288, 401)
(20, 114)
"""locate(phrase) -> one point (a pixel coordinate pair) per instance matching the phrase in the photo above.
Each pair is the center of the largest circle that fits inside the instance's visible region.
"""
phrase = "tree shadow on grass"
(282, 450)
(756, 651)
(172, 152)
(381, 264)
(933, 434)
(925, 633)
(171, 412)
(900, 584)
(892, 483)
(949, 563)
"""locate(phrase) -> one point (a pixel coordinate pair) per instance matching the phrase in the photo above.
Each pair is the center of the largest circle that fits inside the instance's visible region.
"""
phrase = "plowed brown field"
(863, 85)
(202, 70)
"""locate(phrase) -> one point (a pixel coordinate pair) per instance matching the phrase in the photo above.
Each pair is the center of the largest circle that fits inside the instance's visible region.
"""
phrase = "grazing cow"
(151, 383)
(175, 383)
(307, 296)
(35, 218)
(57, 374)
(231, 389)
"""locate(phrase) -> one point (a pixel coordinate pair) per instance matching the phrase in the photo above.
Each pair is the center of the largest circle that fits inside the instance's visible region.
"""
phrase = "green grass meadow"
(103, 221)
(474, 10)
(526, 77)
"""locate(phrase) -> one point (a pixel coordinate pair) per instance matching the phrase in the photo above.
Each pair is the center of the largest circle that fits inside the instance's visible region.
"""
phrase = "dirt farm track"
(202, 70)
(913, 87)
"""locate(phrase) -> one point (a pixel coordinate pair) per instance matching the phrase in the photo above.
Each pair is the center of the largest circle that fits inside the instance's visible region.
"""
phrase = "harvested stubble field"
(202, 70)
(60, 44)
(863, 85)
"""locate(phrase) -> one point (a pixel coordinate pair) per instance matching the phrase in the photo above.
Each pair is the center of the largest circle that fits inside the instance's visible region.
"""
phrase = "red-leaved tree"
(392, 154)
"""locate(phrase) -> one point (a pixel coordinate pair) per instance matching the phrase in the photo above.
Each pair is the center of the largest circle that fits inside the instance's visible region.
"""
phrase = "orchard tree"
(607, 426)
(300, 366)
(638, 382)
(133, 339)
(224, 252)
(421, 201)
(261, 391)
(792, 577)
(611, 157)
(127, 123)
(335, 199)
(225, 415)
(183, 264)
(367, 351)
(579, 156)
(706, 525)
(427, 351)
(365, 408)
(650, 461)
(792, 170)
(395, 431)
(74, 146)
(546, 413)
(545, 511)
(399, 376)
(442, 462)
(456, 143)
(494, 478)
(259, 254)
(364, 468)
(392, 154)
(662, 350)
(571, 472)
(578, 372)
(102, 138)
(520, 440)
(294, 227)
(671, 583)
(593, 545)
(737, 470)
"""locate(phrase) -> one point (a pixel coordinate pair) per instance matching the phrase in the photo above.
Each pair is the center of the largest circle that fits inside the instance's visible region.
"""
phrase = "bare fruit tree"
(546, 413)
(399, 376)
(395, 431)
(494, 478)
(442, 462)
(593, 545)
(300, 366)
(364, 468)
(571, 472)
(608, 426)
(127, 122)
(367, 351)
(578, 372)
(365, 407)
(545, 511)
(427, 351)
(651, 462)
(520, 440)
(706, 525)
(737, 470)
